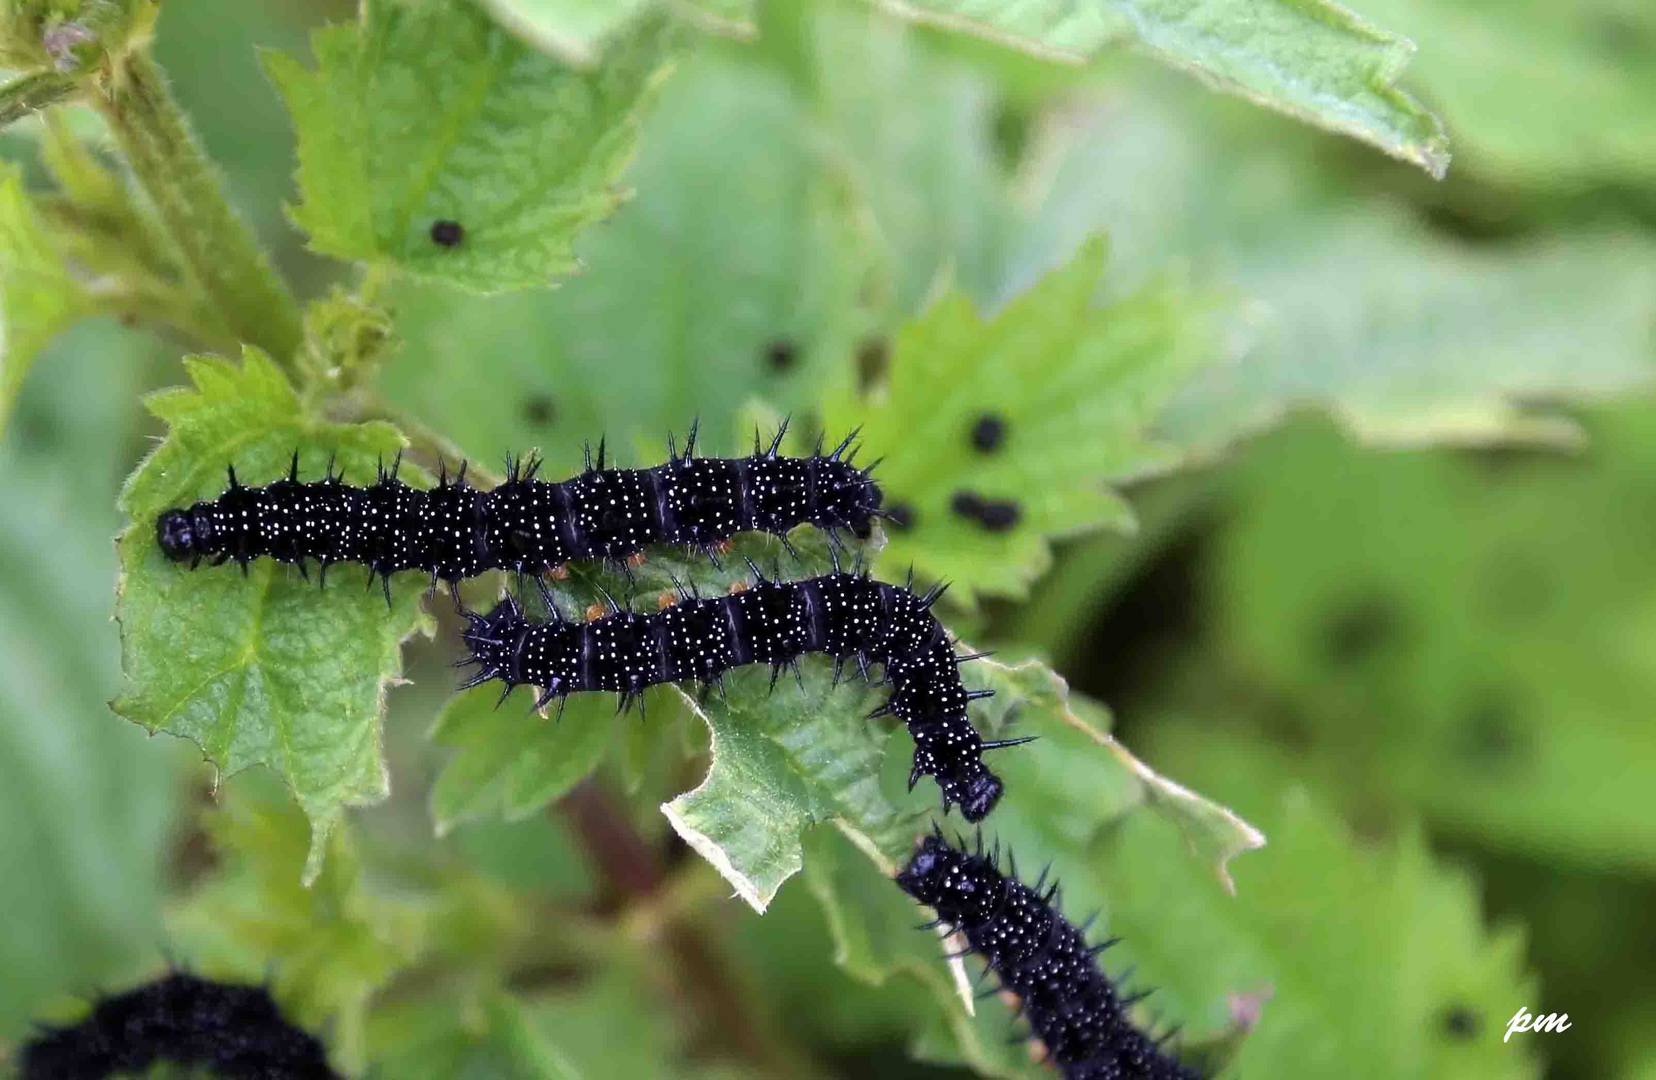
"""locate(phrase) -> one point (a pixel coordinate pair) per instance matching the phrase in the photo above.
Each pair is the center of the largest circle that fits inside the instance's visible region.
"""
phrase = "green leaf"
(261, 669)
(783, 760)
(726, 278)
(1545, 95)
(1405, 336)
(38, 295)
(1354, 955)
(510, 764)
(574, 31)
(1075, 382)
(87, 800)
(327, 947)
(428, 112)
(1088, 777)
(611, 1022)
(1310, 59)
(497, 1037)
(1409, 340)
(1454, 642)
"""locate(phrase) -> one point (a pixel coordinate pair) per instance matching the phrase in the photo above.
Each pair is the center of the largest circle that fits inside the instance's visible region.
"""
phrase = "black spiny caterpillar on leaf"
(227, 1029)
(845, 615)
(1041, 958)
(456, 531)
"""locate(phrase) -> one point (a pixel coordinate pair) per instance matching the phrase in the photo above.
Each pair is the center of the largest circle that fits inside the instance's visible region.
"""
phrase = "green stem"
(217, 246)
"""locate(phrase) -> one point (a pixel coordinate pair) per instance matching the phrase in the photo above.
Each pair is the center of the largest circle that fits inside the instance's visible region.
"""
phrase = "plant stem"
(218, 248)
(31, 93)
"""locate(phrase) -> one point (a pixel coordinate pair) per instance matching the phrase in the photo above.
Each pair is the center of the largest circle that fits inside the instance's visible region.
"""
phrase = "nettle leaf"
(1074, 383)
(427, 112)
(1408, 340)
(1353, 956)
(1404, 336)
(574, 31)
(1546, 95)
(1088, 777)
(1443, 658)
(325, 947)
(726, 277)
(511, 764)
(1311, 59)
(261, 669)
(38, 295)
(785, 759)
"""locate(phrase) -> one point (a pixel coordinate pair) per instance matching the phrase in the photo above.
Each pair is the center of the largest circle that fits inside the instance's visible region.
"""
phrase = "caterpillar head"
(949, 881)
(979, 794)
(175, 531)
(493, 640)
(962, 778)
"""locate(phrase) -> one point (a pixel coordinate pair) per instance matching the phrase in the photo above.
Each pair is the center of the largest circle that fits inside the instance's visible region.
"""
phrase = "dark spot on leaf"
(781, 355)
(1358, 628)
(999, 515)
(1010, 129)
(540, 409)
(873, 358)
(1460, 1022)
(995, 515)
(1489, 733)
(900, 516)
(447, 233)
(988, 433)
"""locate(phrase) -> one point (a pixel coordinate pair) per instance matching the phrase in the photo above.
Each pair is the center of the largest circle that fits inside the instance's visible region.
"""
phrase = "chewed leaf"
(1001, 433)
(262, 669)
(783, 760)
(434, 140)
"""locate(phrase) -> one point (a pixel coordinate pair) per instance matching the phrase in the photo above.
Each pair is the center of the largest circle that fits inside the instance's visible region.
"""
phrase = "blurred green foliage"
(1406, 638)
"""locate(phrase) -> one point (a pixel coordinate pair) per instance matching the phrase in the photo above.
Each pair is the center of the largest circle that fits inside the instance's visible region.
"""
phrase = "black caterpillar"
(846, 615)
(456, 531)
(1043, 959)
(230, 1030)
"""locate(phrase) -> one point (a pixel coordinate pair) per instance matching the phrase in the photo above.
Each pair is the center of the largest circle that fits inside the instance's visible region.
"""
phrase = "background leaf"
(325, 947)
(1315, 61)
(38, 295)
(428, 112)
(1106, 371)
(88, 802)
(574, 31)
(261, 670)
(1409, 337)
(1369, 1003)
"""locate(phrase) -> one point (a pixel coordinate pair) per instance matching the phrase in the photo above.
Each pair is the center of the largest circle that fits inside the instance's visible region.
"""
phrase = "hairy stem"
(217, 247)
(31, 93)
